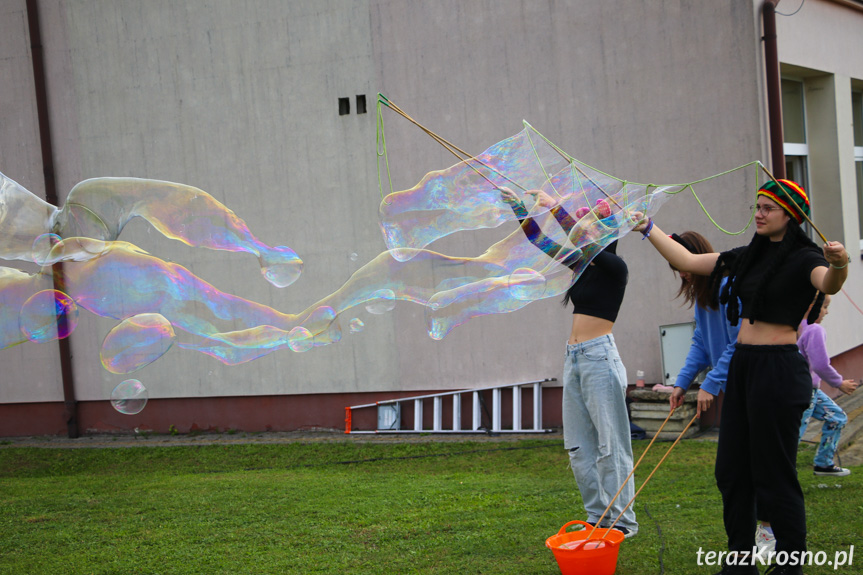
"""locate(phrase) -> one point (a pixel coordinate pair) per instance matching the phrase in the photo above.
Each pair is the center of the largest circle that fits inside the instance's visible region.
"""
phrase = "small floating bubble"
(130, 397)
(383, 301)
(42, 246)
(300, 339)
(38, 319)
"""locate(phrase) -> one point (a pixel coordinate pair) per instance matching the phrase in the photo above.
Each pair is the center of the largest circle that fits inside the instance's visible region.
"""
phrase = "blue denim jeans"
(825, 409)
(596, 428)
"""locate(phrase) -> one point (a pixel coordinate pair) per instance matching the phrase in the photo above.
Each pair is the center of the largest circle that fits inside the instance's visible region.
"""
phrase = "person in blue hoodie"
(714, 337)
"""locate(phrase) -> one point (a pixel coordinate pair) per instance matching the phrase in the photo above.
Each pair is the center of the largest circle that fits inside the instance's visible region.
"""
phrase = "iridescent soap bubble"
(78, 249)
(136, 342)
(356, 325)
(437, 328)
(526, 284)
(129, 397)
(42, 246)
(354, 256)
(300, 339)
(281, 266)
(383, 301)
(48, 315)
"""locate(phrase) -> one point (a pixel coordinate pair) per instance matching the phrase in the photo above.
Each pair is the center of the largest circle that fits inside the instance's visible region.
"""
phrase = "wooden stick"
(811, 223)
(634, 467)
(463, 156)
(676, 441)
(458, 153)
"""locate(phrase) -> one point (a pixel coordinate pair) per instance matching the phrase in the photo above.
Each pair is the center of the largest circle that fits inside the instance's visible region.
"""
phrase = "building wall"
(240, 99)
(821, 46)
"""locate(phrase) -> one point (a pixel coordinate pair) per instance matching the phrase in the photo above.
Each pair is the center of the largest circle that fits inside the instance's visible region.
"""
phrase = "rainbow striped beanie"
(791, 196)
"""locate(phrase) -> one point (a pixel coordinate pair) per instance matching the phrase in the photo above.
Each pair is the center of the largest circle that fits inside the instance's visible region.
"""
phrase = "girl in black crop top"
(595, 422)
(768, 387)
(600, 289)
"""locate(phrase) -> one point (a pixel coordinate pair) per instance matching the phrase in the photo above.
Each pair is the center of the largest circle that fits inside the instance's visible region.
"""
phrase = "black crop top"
(600, 289)
(786, 296)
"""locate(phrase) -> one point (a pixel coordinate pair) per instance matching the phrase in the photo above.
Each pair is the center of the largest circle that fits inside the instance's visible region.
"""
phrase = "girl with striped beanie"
(776, 276)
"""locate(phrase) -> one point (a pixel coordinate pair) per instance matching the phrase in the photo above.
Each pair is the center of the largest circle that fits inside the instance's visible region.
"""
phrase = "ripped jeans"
(596, 428)
(825, 409)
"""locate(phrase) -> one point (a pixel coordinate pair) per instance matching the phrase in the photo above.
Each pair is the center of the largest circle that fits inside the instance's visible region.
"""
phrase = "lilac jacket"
(813, 345)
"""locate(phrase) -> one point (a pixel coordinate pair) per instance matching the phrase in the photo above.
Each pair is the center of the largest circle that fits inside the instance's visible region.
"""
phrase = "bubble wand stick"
(634, 467)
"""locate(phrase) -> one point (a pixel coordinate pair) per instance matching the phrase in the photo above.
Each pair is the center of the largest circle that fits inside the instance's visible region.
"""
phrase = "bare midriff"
(587, 327)
(764, 333)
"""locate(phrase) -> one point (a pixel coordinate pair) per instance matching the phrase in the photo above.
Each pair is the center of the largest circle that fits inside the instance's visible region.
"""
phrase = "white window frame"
(858, 157)
(796, 150)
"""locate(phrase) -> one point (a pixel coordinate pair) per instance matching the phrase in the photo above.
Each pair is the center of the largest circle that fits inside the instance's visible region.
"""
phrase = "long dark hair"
(696, 290)
(737, 266)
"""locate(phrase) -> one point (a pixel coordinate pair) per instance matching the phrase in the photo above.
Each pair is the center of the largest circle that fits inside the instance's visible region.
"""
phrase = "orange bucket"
(577, 555)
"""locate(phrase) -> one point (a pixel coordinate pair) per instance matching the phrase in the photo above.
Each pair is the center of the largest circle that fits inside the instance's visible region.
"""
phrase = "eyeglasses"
(764, 209)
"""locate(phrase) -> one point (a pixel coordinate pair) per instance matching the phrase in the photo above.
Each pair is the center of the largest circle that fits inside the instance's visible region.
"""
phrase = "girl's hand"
(835, 254)
(640, 221)
(676, 398)
(848, 386)
(705, 400)
(542, 199)
(509, 196)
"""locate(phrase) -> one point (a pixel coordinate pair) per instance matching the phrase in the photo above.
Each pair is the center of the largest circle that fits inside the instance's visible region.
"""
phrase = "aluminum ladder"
(476, 406)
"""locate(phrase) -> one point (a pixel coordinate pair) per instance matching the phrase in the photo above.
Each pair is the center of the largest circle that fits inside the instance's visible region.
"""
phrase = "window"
(857, 115)
(793, 112)
(794, 130)
(795, 146)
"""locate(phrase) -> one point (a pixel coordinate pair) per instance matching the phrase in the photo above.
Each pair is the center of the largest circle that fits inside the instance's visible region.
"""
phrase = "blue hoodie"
(712, 346)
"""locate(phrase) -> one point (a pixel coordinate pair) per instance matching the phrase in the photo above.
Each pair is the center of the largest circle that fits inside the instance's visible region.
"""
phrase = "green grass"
(346, 507)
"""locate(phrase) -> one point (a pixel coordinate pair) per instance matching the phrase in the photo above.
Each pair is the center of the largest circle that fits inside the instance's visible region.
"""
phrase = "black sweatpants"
(768, 389)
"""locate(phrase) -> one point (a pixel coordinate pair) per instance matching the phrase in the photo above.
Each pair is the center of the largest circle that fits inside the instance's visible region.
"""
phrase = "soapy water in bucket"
(592, 544)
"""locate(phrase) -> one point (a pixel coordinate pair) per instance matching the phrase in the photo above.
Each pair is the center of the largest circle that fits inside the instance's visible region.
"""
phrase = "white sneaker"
(764, 540)
(833, 470)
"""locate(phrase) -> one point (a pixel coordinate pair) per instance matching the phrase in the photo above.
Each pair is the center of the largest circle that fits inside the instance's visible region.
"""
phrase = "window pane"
(857, 104)
(795, 170)
(793, 123)
(860, 198)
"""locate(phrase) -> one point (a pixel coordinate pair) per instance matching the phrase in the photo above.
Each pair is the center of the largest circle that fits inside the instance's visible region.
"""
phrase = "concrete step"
(650, 409)
(684, 414)
(674, 427)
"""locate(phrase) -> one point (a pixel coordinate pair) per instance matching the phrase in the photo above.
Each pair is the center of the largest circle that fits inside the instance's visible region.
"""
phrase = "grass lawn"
(349, 507)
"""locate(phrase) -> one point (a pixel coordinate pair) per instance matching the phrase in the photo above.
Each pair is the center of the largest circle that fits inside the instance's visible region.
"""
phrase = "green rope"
(381, 146)
(381, 152)
(682, 187)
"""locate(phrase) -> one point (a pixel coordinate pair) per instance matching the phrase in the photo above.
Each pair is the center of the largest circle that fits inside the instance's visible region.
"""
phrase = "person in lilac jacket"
(812, 342)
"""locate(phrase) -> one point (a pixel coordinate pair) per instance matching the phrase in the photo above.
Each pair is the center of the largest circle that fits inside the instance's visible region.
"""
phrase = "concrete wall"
(30, 371)
(240, 99)
(822, 45)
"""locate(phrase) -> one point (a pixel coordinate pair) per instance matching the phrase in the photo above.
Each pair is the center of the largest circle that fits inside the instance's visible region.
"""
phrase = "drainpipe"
(774, 89)
(70, 411)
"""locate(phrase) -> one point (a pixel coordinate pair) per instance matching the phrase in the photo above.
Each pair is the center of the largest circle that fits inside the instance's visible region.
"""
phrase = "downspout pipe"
(774, 89)
(70, 411)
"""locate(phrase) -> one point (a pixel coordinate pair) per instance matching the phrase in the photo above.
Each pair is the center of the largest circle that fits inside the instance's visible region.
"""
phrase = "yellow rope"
(469, 159)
